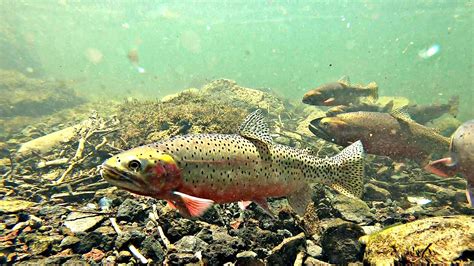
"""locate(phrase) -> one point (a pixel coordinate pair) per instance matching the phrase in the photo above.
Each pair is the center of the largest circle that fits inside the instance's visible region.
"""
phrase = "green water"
(289, 46)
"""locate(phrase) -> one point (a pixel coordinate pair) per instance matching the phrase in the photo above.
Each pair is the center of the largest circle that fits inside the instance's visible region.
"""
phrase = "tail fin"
(453, 105)
(374, 91)
(350, 163)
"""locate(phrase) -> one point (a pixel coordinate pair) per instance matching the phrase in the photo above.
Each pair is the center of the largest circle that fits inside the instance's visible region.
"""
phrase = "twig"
(88, 211)
(131, 247)
(165, 240)
(55, 162)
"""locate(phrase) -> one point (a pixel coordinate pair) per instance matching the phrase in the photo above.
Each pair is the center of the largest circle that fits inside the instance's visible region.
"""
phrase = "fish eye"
(134, 165)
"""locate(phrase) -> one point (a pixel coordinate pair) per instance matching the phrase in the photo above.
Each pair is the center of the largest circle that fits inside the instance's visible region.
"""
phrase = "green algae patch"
(431, 240)
(11, 205)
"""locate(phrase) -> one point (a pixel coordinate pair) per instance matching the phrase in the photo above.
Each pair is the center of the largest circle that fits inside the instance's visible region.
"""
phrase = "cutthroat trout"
(340, 92)
(461, 159)
(192, 172)
(390, 134)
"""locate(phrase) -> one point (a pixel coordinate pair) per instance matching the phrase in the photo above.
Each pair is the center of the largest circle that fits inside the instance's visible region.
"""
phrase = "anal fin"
(264, 205)
(300, 199)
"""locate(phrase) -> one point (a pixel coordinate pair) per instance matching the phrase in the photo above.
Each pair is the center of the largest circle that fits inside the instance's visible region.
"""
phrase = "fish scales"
(191, 171)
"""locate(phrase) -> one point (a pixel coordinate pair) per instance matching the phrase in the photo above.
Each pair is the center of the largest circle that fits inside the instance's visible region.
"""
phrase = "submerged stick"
(131, 247)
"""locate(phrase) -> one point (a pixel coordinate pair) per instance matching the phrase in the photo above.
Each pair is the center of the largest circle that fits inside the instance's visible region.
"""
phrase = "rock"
(47, 143)
(287, 250)
(82, 222)
(339, 241)
(124, 256)
(130, 210)
(40, 245)
(182, 259)
(373, 192)
(222, 248)
(190, 244)
(76, 262)
(431, 240)
(55, 210)
(93, 240)
(12, 205)
(352, 209)
(310, 261)
(248, 258)
(69, 241)
(313, 250)
(25, 96)
(133, 237)
(95, 255)
(152, 249)
(228, 90)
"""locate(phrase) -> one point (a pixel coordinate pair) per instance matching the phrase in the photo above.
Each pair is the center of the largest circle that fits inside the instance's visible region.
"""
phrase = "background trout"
(394, 135)
(340, 92)
(194, 171)
(461, 160)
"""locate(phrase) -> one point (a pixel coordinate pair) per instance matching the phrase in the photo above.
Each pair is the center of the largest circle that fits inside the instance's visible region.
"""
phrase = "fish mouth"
(117, 177)
(316, 128)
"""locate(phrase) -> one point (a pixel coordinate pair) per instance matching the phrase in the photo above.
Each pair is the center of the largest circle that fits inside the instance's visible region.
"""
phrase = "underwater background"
(289, 47)
(343, 129)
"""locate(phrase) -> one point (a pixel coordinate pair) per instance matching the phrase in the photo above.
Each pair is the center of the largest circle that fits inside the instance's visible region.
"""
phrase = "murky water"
(83, 82)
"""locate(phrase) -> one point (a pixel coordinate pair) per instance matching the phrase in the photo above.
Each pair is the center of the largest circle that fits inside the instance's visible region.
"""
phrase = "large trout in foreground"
(192, 172)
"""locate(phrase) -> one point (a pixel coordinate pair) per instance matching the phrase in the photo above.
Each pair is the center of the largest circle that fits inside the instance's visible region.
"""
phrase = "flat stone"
(373, 192)
(351, 209)
(11, 205)
(81, 222)
(69, 241)
(190, 244)
(287, 250)
(434, 240)
(248, 258)
(313, 250)
(340, 241)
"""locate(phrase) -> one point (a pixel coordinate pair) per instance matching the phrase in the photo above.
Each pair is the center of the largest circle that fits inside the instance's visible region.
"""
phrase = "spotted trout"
(393, 134)
(194, 171)
(461, 159)
(340, 92)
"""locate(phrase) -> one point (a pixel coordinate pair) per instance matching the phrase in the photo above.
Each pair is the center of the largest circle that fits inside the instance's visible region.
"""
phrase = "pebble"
(340, 241)
(373, 192)
(12, 205)
(82, 222)
(313, 250)
(130, 210)
(351, 209)
(287, 250)
(248, 258)
(190, 244)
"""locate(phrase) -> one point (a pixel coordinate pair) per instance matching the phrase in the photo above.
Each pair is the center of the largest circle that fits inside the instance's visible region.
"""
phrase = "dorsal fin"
(401, 114)
(255, 128)
(345, 79)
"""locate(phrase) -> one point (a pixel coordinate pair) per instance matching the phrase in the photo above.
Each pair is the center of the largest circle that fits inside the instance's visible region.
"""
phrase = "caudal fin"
(350, 163)
(454, 106)
(374, 91)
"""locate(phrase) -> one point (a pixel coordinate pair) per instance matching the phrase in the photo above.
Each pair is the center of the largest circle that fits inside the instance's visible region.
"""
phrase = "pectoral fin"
(192, 206)
(300, 199)
(442, 167)
(470, 194)
(243, 204)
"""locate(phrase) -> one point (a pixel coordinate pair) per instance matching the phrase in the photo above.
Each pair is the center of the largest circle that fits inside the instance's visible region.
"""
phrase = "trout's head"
(143, 170)
(323, 95)
(332, 129)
